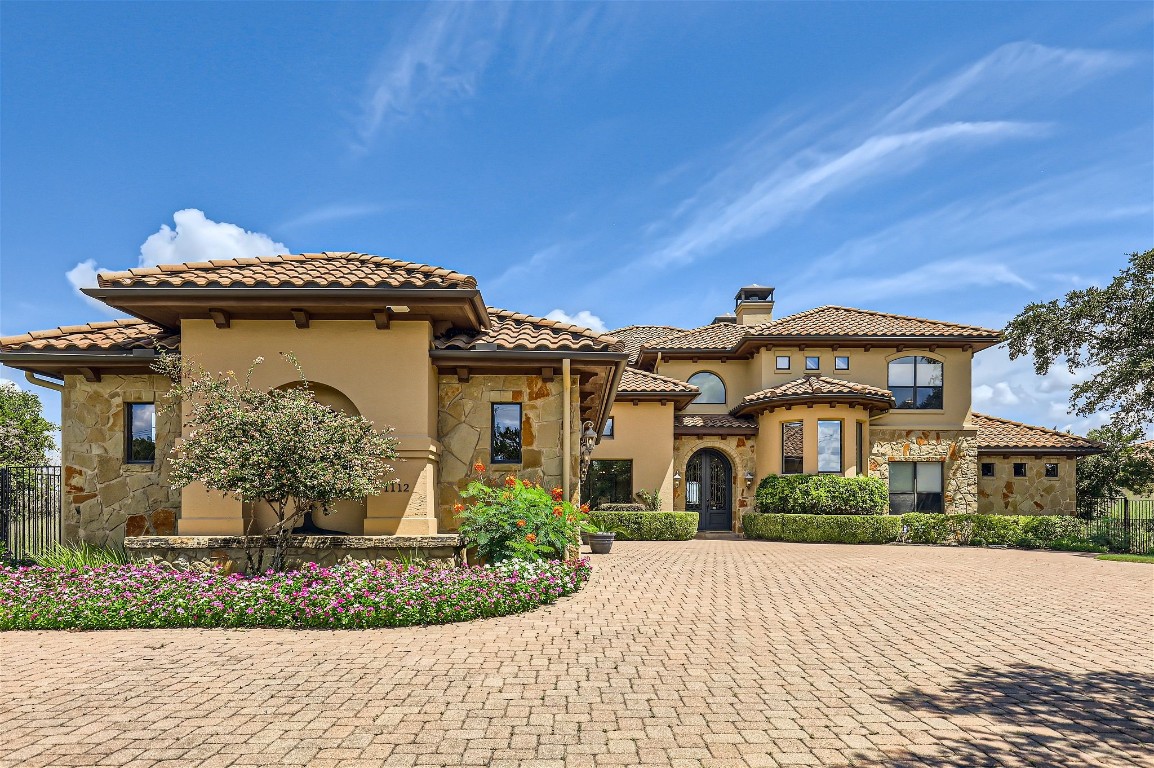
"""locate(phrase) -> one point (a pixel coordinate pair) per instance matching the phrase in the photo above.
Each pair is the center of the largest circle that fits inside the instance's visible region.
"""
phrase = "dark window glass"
(841, 363)
(711, 386)
(829, 446)
(792, 448)
(861, 467)
(915, 486)
(140, 428)
(916, 382)
(608, 482)
(812, 363)
(506, 444)
(1019, 469)
(783, 362)
(1051, 470)
(987, 469)
(608, 431)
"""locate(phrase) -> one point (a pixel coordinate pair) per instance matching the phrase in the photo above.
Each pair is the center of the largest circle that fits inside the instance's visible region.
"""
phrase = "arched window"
(711, 386)
(916, 382)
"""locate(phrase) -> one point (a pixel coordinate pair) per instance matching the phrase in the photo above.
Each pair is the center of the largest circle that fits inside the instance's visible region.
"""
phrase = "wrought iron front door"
(709, 490)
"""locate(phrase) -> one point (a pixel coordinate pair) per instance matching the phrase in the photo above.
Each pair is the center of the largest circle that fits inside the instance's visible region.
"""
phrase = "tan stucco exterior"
(642, 432)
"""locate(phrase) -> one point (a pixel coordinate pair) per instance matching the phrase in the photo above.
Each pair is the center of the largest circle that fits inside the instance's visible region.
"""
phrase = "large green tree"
(25, 435)
(1123, 465)
(1110, 329)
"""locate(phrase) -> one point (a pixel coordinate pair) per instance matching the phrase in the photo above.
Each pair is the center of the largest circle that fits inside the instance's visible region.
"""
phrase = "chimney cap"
(755, 292)
(728, 317)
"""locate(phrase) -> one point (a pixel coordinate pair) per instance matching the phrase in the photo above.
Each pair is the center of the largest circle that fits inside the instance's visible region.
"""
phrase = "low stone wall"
(229, 551)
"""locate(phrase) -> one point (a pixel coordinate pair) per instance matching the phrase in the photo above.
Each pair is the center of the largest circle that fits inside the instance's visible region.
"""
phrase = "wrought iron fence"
(1121, 524)
(29, 511)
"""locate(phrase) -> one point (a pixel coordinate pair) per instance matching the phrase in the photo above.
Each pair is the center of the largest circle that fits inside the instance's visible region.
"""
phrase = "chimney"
(754, 305)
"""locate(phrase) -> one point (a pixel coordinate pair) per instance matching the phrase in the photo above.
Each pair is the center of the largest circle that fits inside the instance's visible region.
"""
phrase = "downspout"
(31, 377)
(566, 425)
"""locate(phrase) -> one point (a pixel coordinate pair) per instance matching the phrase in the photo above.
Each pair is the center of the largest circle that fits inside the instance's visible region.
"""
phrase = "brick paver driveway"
(702, 653)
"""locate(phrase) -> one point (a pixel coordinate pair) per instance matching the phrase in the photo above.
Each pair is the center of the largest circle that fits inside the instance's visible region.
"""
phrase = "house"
(699, 415)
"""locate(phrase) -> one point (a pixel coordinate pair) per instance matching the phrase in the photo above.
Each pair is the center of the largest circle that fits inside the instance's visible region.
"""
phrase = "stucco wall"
(464, 422)
(739, 377)
(1034, 494)
(957, 449)
(769, 427)
(741, 452)
(643, 433)
(104, 495)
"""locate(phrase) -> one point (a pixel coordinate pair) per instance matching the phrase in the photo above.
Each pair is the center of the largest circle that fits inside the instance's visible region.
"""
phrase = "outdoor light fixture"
(676, 478)
(749, 478)
(588, 443)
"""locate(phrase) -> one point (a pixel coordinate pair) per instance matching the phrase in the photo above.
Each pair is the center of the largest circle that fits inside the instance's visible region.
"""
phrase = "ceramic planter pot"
(601, 543)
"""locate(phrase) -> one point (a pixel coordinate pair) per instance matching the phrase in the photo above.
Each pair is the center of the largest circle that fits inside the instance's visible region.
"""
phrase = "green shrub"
(816, 529)
(517, 519)
(822, 495)
(67, 556)
(626, 507)
(648, 526)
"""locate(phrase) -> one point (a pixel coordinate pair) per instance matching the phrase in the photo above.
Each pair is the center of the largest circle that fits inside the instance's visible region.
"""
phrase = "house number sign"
(396, 486)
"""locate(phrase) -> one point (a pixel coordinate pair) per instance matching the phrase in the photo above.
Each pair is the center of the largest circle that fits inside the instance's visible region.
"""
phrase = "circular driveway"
(702, 653)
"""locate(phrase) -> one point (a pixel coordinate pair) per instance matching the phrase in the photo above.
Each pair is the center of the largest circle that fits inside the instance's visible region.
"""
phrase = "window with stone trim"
(140, 433)
(915, 486)
(505, 444)
(987, 469)
(1019, 469)
(1051, 469)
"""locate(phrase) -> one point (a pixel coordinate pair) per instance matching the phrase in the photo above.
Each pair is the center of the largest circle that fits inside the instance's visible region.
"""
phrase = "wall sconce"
(588, 443)
(748, 479)
(676, 479)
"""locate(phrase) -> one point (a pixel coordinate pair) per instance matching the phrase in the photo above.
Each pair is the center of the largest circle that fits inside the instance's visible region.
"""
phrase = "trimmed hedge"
(648, 526)
(626, 507)
(1025, 531)
(822, 495)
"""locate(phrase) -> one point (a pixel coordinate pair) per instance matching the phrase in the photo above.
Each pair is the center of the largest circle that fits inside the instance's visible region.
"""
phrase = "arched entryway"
(709, 489)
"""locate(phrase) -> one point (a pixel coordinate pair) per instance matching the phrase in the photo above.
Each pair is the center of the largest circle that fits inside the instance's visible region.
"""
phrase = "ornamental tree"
(1123, 465)
(25, 435)
(278, 446)
(1110, 329)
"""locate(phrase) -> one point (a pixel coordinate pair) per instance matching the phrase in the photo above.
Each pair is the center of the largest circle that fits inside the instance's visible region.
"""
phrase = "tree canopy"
(1123, 465)
(25, 435)
(1110, 329)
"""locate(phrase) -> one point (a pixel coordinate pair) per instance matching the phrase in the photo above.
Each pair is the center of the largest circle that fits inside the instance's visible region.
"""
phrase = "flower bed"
(347, 596)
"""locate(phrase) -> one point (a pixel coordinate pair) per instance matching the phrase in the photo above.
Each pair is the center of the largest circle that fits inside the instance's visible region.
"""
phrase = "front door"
(709, 490)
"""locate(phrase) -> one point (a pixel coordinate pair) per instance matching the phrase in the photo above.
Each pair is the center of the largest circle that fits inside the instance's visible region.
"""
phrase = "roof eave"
(754, 342)
(1007, 450)
(740, 431)
(789, 401)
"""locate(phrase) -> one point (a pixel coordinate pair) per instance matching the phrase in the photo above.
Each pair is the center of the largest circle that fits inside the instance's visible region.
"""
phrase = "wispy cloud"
(333, 212)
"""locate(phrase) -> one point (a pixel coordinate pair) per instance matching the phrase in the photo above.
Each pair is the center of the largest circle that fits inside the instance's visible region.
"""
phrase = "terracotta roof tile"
(1003, 434)
(715, 336)
(816, 387)
(706, 421)
(518, 331)
(634, 336)
(304, 270)
(634, 380)
(847, 321)
(108, 335)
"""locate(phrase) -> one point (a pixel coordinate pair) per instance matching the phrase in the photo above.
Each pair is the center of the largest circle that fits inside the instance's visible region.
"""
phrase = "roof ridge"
(1004, 420)
(646, 325)
(68, 330)
(875, 313)
(555, 324)
(650, 374)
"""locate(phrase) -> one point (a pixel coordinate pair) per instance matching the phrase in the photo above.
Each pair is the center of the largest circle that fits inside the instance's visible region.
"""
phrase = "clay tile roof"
(108, 335)
(518, 331)
(703, 422)
(636, 381)
(715, 336)
(634, 336)
(304, 270)
(847, 321)
(816, 387)
(1002, 434)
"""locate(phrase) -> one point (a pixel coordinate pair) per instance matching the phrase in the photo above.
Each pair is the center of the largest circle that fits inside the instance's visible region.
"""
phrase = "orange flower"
(526, 483)
(478, 467)
(531, 538)
(572, 518)
(510, 481)
(557, 511)
(520, 523)
(557, 494)
(458, 507)
(585, 509)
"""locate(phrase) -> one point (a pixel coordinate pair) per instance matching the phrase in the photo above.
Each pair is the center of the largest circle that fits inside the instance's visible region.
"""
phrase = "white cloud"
(584, 318)
(195, 237)
(334, 212)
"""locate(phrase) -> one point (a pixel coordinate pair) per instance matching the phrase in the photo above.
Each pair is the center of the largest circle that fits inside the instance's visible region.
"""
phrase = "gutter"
(30, 376)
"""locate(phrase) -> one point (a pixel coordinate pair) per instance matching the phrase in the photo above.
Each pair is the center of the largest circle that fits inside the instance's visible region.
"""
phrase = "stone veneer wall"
(104, 497)
(741, 454)
(957, 449)
(1034, 494)
(464, 426)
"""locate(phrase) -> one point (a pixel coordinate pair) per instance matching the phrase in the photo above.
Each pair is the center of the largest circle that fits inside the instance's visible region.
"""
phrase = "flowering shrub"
(348, 596)
(517, 519)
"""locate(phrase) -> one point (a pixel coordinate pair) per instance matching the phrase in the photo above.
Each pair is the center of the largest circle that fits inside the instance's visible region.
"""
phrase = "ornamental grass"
(354, 595)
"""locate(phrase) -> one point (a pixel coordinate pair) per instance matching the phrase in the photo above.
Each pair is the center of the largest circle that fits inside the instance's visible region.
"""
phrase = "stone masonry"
(956, 449)
(1034, 494)
(740, 452)
(105, 498)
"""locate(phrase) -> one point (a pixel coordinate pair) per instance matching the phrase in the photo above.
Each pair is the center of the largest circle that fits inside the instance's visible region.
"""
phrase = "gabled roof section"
(633, 337)
(515, 331)
(717, 336)
(997, 435)
(122, 335)
(846, 321)
(643, 385)
(817, 389)
(303, 270)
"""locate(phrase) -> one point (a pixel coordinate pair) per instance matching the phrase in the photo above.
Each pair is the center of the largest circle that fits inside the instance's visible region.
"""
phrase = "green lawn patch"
(1127, 558)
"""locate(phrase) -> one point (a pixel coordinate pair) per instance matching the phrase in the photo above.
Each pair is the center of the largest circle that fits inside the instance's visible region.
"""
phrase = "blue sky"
(615, 164)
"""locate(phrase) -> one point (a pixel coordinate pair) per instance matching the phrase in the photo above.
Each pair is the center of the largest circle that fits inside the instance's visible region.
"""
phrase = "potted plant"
(600, 537)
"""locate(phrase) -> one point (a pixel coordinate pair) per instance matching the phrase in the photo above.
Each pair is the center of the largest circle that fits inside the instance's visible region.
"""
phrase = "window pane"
(901, 502)
(903, 396)
(902, 372)
(929, 372)
(829, 446)
(841, 363)
(608, 482)
(1051, 470)
(783, 362)
(861, 468)
(987, 469)
(608, 432)
(929, 477)
(1019, 470)
(506, 445)
(142, 432)
(812, 363)
(929, 397)
(901, 477)
(929, 502)
(711, 386)
(792, 448)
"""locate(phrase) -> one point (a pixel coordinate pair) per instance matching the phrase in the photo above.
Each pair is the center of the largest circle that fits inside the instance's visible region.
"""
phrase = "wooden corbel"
(546, 374)
(300, 317)
(381, 319)
(90, 374)
(463, 375)
(220, 317)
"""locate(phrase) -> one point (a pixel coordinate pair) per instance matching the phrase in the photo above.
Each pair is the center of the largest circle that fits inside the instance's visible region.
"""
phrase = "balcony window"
(916, 382)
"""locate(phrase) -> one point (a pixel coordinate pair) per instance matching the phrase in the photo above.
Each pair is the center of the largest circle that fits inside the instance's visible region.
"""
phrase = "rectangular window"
(792, 448)
(916, 382)
(841, 363)
(987, 469)
(505, 447)
(608, 431)
(829, 446)
(608, 482)
(1019, 469)
(783, 362)
(915, 486)
(812, 363)
(1051, 469)
(861, 468)
(140, 429)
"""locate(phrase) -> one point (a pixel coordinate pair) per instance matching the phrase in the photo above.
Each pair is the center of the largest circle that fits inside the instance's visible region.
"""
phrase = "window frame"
(1047, 474)
(840, 447)
(816, 365)
(915, 386)
(915, 493)
(493, 433)
(800, 459)
(860, 446)
(724, 389)
(610, 428)
(788, 362)
(587, 486)
(1024, 467)
(992, 466)
(129, 437)
(837, 366)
